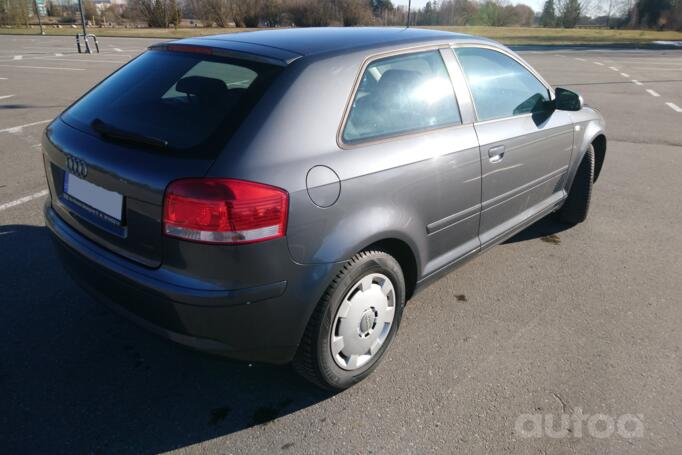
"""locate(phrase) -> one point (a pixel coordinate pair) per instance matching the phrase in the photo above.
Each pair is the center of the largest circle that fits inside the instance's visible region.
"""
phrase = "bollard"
(94, 37)
(88, 50)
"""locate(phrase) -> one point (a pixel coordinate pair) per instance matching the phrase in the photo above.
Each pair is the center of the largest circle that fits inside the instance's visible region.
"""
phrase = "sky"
(535, 4)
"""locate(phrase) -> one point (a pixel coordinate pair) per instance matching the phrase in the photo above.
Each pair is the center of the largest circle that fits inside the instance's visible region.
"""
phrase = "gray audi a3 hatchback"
(277, 196)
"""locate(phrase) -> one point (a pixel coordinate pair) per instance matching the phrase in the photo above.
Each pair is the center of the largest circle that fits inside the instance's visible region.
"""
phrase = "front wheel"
(577, 203)
(354, 322)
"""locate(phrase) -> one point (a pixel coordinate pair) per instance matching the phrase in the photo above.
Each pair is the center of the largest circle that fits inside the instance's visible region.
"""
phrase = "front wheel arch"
(599, 144)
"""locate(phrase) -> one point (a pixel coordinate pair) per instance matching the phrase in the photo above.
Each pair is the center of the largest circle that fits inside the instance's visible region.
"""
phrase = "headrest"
(403, 79)
(202, 87)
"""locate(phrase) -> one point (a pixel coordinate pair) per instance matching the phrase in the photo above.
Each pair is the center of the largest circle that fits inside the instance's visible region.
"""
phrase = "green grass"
(506, 35)
(538, 35)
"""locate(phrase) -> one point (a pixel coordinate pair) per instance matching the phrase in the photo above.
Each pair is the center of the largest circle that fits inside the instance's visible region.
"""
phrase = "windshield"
(188, 102)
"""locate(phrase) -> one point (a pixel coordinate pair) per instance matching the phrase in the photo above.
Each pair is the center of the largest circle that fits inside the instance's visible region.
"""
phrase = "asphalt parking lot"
(552, 322)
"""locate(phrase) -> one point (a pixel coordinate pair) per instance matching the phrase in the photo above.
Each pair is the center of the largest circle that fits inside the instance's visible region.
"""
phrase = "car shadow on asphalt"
(75, 377)
(546, 229)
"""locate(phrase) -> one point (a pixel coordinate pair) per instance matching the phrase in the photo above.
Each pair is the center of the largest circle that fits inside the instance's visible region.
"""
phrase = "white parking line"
(3, 78)
(674, 107)
(118, 50)
(625, 75)
(598, 63)
(58, 54)
(24, 199)
(580, 59)
(4, 97)
(636, 82)
(44, 67)
(17, 129)
(67, 59)
(613, 68)
(18, 57)
(652, 93)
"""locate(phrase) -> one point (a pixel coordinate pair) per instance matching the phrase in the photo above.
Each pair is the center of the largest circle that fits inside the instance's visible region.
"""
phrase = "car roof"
(290, 44)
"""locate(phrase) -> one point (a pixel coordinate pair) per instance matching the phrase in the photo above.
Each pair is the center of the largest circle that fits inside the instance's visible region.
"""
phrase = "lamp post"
(85, 30)
(409, 7)
(40, 22)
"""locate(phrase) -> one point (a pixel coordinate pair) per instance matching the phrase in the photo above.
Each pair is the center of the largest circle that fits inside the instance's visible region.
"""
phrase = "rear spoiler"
(230, 49)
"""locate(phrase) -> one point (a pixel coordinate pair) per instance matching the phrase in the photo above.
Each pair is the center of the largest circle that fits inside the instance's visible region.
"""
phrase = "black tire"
(314, 360)
(577, 204)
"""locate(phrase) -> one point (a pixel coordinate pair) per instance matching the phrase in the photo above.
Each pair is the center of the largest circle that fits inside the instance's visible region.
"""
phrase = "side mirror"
(567, 100)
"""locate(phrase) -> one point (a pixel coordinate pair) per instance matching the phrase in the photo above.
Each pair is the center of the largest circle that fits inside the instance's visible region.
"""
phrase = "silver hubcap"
(363, 321)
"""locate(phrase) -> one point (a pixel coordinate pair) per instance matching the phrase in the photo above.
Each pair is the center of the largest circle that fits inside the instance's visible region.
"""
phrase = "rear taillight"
(224, 211)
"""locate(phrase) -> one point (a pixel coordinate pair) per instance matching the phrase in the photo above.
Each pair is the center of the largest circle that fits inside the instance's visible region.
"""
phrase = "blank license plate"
(107, 202)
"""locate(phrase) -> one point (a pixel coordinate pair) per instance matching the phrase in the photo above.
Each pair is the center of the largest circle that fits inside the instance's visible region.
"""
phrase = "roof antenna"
(409, 7)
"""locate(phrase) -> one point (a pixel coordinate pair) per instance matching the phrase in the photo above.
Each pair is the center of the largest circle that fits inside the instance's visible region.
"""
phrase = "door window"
(401, 94)
(500, 86)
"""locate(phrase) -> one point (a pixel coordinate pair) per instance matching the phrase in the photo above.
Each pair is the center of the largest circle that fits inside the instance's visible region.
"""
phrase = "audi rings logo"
(76, 166)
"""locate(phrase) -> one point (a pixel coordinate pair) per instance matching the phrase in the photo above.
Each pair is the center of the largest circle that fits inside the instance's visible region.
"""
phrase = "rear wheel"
(354, 322)
(577, 203)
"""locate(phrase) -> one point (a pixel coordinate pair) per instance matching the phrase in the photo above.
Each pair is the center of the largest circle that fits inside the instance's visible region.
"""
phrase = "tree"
(218, 11)
(650, 11)
(174, 14)
(310, 13)
(675, 14)
(90, 10)
(111, 14)
(427, 15)
(548, 16)
(523, 15)
(569, 13)
(14, 12)
(271, 12)
(156, 13)
(492, 13)
(458, 12)
(381, 7)
(355, 12)
(609, 12)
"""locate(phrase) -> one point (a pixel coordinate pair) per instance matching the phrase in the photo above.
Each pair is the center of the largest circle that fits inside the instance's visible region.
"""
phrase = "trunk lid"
(139, 177)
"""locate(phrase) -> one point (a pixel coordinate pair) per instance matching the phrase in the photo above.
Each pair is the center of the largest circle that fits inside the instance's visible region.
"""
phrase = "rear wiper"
(118, 134)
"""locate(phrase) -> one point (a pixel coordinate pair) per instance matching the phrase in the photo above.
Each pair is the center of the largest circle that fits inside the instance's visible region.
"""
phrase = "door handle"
(496, 153)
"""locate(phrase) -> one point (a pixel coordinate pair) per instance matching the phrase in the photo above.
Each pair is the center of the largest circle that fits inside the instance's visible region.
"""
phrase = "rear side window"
(182, 102)
(501, 87)
(401, 94)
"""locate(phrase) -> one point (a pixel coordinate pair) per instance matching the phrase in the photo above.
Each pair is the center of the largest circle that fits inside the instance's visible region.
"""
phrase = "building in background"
(42, 7)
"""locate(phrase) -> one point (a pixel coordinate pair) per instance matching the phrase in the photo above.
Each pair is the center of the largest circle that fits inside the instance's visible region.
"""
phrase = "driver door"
(525, 147)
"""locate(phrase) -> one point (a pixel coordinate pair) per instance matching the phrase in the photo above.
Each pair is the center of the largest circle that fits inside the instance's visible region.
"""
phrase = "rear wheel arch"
(316, 358)
(404, 254)
(399, 249)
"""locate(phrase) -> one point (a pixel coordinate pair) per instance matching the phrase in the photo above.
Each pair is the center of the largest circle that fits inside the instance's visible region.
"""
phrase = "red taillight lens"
(224, 211)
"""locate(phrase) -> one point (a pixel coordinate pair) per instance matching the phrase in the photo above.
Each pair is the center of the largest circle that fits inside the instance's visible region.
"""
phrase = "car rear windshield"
(178, 102)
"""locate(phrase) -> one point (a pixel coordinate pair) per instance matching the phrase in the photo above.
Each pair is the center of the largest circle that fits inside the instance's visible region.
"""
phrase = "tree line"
(274, 13)
(319, 13)
(659, 14)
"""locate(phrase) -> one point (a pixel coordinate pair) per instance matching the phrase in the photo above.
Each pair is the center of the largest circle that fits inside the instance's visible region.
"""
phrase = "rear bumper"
(262, 323)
